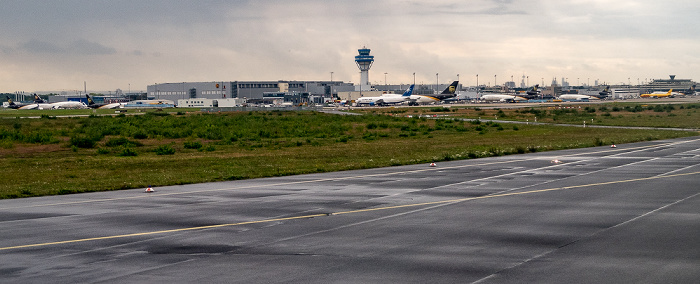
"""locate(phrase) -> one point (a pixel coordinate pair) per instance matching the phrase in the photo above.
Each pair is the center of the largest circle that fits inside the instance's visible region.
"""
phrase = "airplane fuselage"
(572, 97)
(502, 98)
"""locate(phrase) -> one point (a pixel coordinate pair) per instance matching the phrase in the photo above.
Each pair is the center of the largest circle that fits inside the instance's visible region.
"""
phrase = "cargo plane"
(92, 104)
(449, 92)
(656, 95)
(507, 98)
(577, 97)
(386, 99)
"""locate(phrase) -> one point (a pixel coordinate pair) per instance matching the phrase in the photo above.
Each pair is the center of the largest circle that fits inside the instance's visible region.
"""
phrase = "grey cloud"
(38, 46)
(79, 47)
(84, 47)
(6, 49)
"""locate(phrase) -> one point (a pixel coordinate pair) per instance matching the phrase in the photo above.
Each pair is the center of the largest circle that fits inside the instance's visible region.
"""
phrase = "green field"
(53, 155)
(612, 114)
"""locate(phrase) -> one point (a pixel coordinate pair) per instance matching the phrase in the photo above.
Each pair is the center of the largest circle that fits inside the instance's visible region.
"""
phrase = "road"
(629, 214)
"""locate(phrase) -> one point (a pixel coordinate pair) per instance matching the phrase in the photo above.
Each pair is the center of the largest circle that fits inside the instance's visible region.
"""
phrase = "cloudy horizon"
(121, 44)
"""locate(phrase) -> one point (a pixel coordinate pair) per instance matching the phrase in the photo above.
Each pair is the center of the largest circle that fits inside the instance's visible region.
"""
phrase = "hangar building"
(248, 90)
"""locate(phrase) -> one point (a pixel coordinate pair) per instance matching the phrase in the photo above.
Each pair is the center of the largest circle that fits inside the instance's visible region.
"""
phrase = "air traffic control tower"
(364, 62)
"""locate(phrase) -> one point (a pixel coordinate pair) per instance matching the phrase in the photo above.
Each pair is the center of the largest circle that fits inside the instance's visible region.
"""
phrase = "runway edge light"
(149, 189)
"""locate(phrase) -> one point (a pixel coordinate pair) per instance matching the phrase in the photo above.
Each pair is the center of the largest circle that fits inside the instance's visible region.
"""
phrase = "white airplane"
(92, 104)
(68, 104)
(532, 93)
(386, 99)
(502, 98)
(449, 92)
(39, 103)
(575, 97)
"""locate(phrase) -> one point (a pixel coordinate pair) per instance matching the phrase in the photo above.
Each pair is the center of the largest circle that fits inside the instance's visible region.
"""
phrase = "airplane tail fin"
(10, 102)
(89, 99)
(533, 91)
(690, 90)
(38, 99)
(408, 91)
(451, 89)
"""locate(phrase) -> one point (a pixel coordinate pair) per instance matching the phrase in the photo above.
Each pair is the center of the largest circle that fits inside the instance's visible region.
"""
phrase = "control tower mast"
(364, 62)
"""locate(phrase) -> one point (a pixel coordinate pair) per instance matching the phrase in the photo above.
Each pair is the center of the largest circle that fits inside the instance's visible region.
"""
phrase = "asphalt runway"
(629, 214)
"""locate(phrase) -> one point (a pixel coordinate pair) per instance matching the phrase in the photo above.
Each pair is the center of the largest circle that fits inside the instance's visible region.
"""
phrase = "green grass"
(137, 151)
(612, 114)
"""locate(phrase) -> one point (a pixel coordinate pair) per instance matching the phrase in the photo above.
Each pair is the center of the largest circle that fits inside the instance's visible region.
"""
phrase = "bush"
(121, 141)
(193, 145)
(209, 148)
(82, 142)
(140, 135)
(165, 150)
(127, 152)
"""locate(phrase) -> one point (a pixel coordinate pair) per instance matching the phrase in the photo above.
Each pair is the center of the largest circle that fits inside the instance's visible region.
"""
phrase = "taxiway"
(629, 214)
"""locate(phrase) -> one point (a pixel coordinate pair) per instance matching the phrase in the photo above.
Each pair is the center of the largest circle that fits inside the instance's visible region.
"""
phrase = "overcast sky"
(57, 45)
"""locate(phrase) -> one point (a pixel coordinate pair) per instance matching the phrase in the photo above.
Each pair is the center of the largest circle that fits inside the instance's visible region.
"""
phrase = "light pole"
(477, 82)
(414, 78)
(332, 85)
(437, 82)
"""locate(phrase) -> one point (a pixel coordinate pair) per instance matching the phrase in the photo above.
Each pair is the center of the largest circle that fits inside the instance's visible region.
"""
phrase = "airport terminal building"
(668, 84)
(247, 90)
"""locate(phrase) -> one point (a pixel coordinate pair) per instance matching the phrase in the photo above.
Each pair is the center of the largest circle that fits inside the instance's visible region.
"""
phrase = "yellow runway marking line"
(330, 179)
(341, 213)
(162, 232)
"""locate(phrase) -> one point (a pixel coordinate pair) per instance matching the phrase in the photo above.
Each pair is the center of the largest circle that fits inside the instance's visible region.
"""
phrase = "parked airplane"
(534, 92)
(92, 104)
(502, 98)
(669, 94)
(39, 103)
(449, 92)
(68, 104)
(690, 91)
(11, 104)
(576, 97)
(386, 99)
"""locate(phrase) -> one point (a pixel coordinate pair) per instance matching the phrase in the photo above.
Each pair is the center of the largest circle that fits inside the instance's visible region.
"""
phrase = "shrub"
(193, 145)
(165, 150)
(81, 141)
(121, 141)
(140, 135)
(209, 148)
(127, 152)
